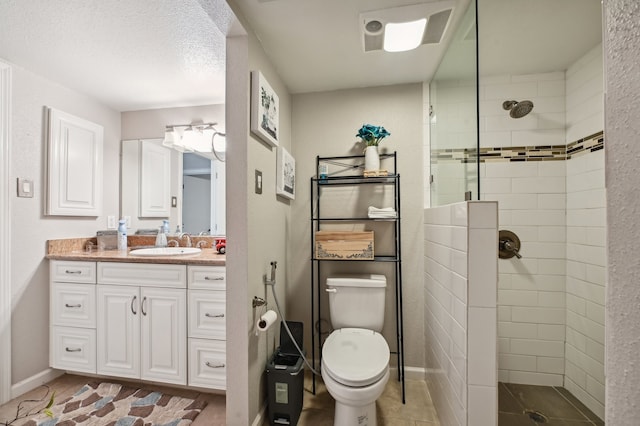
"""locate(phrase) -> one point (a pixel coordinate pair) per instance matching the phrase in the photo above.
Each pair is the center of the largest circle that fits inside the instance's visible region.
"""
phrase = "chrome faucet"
(184, 234)
(510, 247)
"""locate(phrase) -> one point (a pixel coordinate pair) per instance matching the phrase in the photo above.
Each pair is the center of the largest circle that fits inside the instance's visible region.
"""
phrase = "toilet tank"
(357, 301)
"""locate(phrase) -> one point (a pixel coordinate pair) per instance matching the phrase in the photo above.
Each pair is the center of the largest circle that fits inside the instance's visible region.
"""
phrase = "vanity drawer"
(207, 277)
(207, 314)
(142, 274)
(73, 349)
(207, 363)
(72, 272)
(73, 305)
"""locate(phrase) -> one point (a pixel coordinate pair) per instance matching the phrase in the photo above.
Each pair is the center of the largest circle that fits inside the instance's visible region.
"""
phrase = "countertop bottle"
(161, 238)
(122, 235)
(165, 227)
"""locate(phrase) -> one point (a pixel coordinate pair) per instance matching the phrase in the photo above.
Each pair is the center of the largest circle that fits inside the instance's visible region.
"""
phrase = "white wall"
(460, 291)
(30, 228)
(622, 126)
(586, 221)
(531, 196)
(325, 124)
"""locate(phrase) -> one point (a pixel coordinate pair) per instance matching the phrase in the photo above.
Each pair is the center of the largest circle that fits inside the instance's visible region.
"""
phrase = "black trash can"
(285, 379)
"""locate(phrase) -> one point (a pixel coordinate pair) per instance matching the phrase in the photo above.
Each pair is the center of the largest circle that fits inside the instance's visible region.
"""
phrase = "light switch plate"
(258, 182)
(111, 222)
(25, 188)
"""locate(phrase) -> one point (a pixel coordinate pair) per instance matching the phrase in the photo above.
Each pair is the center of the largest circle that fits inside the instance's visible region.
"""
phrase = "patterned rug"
(108, 404)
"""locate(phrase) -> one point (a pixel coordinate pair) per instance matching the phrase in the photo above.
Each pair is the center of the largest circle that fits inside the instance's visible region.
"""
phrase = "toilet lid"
(355, 356)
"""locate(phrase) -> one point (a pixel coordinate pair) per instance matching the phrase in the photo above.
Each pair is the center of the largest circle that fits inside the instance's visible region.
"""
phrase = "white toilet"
(355, 357)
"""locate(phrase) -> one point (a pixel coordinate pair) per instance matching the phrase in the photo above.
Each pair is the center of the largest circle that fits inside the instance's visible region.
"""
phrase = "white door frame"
(5, 232)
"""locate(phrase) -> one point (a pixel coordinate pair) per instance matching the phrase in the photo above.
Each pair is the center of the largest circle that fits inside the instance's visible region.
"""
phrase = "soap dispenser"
(161, 238)
(122, 235)
(165, 227)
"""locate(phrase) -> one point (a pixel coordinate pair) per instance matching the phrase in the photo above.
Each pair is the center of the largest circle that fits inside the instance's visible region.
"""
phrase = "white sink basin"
(165, 251)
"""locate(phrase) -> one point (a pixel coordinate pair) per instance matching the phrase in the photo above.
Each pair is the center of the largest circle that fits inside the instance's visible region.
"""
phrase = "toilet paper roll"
(266, 320)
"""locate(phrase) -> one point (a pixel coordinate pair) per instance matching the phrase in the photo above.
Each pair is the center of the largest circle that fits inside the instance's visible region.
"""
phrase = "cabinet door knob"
(132, 302)
(213, 315)
(73, 349)
(208, 364)
(78, 305)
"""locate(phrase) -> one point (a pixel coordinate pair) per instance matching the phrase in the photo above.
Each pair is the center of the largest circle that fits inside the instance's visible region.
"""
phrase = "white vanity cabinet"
(207, 326)
(72, 316)
(141, 321)
(159, 322)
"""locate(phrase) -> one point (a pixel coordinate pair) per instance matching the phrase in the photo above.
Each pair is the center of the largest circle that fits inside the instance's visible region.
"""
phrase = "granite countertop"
(74, 249)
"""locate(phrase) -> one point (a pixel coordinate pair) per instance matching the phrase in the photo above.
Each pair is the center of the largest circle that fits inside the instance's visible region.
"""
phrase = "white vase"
(371, 159)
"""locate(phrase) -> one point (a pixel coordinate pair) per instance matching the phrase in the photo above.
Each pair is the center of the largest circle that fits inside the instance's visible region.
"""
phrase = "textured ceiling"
(128, 54)
(143, 54)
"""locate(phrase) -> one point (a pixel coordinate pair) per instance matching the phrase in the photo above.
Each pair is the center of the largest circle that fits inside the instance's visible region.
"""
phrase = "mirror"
(161, 183)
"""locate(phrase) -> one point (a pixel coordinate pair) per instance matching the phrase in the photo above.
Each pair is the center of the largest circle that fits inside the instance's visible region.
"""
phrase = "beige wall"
(150, 123)
(257, 229)
(30, 229)
(325, 124)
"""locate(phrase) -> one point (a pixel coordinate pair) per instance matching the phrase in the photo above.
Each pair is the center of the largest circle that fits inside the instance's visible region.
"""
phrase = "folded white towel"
(382, 213)
(384, 209)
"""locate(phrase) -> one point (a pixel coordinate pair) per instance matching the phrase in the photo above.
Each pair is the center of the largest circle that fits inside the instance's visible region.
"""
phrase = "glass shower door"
(453, 118)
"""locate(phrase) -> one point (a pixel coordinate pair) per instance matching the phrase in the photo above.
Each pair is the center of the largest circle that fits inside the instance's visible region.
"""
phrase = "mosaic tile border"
(585, 145)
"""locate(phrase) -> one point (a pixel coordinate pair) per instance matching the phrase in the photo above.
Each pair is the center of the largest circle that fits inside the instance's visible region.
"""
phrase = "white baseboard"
(34, 381)
(410, 373)
(261, 418)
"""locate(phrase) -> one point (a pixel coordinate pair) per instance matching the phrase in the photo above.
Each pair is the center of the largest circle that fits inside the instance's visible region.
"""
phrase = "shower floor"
(556, 404)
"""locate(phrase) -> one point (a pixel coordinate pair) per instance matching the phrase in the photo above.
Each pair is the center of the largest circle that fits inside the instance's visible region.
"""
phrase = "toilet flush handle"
(331, 290)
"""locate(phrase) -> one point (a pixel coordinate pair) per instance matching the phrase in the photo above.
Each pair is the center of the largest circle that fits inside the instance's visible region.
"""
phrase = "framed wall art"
(265, 110)
(285, 174)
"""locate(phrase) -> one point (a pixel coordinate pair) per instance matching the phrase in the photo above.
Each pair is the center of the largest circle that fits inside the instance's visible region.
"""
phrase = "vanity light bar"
(188, 137)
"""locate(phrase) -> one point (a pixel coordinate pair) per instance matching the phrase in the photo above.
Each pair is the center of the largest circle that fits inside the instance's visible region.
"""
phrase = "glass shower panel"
(453, 94)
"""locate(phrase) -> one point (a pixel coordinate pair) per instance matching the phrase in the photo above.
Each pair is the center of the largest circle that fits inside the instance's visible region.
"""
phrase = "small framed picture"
(285, 174)
(265, 110)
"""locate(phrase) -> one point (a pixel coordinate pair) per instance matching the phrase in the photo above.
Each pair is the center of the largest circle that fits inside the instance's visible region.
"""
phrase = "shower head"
(518, 109)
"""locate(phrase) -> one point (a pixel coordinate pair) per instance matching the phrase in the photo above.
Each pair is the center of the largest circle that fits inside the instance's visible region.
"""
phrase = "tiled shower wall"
(551, 315)
(551, 302)
(586, 221)
(453, 127)
(531, 199)
(460, 273)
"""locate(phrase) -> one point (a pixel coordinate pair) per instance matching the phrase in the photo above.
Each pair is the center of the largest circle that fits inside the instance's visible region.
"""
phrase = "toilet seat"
(355, 356)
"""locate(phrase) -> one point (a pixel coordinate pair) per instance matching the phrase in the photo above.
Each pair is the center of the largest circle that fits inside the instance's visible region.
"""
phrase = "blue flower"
(372, 135)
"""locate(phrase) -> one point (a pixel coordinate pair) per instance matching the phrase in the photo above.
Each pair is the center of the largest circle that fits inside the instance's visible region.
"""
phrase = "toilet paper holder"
(257, 302)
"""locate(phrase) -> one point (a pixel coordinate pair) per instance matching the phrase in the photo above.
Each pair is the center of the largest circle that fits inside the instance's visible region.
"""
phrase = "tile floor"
(418, 411)
(555, 403)
(67, 384)
(317, 409)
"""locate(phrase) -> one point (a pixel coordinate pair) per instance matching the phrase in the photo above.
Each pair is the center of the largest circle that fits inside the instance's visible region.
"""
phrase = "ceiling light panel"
(374, 24)
(403, 36)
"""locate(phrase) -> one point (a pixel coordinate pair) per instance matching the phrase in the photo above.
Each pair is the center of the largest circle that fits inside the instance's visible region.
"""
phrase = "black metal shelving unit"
(349, 173)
